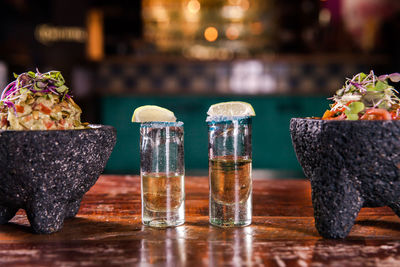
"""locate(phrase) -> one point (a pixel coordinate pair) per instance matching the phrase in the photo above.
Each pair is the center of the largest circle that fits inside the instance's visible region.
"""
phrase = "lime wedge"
(231, 109)
(150, 113)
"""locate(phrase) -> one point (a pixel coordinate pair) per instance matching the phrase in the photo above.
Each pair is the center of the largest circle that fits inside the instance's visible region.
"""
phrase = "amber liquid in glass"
(230, 179)
(230, 190)
(163, 196)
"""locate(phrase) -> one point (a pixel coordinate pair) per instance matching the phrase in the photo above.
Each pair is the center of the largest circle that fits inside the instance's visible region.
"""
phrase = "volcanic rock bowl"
(351, 164)
(46, 173)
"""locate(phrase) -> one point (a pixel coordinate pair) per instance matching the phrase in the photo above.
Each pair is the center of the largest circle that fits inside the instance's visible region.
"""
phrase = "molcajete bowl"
(351, 164)
(46, 173)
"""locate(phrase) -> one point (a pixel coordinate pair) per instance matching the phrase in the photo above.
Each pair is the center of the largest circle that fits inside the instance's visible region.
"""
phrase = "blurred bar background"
(285, 57)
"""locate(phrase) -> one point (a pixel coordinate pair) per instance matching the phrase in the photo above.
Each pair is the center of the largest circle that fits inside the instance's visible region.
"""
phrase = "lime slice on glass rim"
(230, 109)
(150, 113)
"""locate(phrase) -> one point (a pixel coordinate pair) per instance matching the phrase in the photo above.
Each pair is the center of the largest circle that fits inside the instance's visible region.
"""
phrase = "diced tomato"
(394, 115)
(327, 114)
(376, 114)
(334, 115)
(19, 109)
(3, 121)
(330, 114)
(44, 109)
(48, 124)
(340, 117)
(60, 124)
(337, 109)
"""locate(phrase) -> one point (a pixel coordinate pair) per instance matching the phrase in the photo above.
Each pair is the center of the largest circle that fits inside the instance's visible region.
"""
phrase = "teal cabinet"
(272, 147)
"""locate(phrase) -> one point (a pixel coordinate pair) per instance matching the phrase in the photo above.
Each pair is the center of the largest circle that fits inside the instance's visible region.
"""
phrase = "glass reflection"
(164, 247)
(235, 250)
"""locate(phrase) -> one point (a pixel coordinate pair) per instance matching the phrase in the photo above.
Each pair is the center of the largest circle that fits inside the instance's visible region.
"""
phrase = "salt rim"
(161, 124)
(211, 119)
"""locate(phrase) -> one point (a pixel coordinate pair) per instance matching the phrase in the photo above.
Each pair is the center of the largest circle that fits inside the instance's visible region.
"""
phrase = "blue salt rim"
(227, 119)
(161, 124)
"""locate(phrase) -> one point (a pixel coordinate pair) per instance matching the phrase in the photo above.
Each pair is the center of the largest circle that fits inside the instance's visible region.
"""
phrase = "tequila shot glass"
(230, 168)
(162, 172)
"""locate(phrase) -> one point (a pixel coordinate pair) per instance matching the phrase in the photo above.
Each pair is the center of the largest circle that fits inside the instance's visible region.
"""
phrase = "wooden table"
(108, 232)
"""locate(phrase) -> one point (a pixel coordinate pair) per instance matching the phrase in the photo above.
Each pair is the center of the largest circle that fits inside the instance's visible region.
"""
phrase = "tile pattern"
(236, 77)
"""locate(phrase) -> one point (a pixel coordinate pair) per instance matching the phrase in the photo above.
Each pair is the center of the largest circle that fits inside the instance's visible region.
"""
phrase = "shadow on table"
(394, 226)
(74, 229)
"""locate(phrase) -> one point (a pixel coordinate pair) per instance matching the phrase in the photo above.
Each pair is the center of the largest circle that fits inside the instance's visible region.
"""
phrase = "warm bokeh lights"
(232, 32)
(209, 29)
(193, 6)
(211, 34)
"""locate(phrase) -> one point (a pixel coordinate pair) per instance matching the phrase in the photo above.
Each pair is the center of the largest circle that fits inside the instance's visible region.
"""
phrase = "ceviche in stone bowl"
(48, 158)
(352, 154)
(39, 101)
(366, 97)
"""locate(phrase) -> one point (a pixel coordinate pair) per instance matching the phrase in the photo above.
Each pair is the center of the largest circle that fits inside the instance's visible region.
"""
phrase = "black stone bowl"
(46, 173)
(351, 164)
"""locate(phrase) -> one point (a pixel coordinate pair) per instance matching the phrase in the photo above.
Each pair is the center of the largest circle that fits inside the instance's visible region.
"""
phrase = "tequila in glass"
(163, 195)
(162, 174)
(230, 172)
(230, 180)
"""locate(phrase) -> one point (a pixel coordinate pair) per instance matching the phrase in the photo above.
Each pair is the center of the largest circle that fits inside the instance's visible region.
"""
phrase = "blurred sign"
(3, 75)
(47, 34)
(95, 35)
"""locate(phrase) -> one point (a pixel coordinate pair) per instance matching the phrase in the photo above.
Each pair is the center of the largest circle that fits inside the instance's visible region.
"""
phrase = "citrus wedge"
(231, 109)
(150, 113)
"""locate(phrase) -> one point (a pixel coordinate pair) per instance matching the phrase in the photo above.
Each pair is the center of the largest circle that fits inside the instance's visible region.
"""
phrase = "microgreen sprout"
(366, 91)
(51, 82)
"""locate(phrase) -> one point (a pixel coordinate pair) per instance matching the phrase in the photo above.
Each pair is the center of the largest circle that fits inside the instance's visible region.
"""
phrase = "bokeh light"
(211, 34)
(324, 17)
(245, 4)
(193, 6)
(232, 32)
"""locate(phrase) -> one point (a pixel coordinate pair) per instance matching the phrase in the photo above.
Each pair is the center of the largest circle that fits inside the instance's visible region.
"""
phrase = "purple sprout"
(394, 77)
(359, 86)
(34, 82)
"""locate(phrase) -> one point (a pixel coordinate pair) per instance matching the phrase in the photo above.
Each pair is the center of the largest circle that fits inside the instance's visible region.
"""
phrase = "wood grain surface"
(108, 232)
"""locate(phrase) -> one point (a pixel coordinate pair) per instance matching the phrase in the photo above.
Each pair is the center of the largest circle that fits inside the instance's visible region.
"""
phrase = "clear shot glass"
(162, 172)
(229, 151)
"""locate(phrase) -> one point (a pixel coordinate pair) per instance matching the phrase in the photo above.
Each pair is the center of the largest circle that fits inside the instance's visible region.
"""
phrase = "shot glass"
(230, 172)
(162, 172)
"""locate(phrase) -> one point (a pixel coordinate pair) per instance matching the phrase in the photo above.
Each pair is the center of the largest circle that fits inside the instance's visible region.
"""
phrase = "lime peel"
(231, 109)
(152, 113)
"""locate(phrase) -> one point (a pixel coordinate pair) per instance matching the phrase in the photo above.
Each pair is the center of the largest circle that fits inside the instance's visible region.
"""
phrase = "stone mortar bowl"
(351, 164)
(46, 173)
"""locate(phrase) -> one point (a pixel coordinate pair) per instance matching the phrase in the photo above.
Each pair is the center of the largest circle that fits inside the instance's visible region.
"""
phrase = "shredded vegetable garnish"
(38, 101)
(366, 97)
